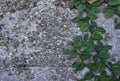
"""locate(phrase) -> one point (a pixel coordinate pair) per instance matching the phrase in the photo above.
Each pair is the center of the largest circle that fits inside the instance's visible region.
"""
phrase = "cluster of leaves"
(89, 48)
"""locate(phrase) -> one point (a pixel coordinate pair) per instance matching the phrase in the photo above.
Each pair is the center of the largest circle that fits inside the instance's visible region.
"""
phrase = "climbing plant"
(88, 47)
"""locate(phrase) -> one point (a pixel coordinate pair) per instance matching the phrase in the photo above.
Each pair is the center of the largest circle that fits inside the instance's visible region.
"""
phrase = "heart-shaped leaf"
(92, 15)
(84, 27)
(85, 55)
(100, 29)
(104, 55)
(81, 8)
(114, 2)
(91, 1)
(78, 66)
(88, 76)
(67, 51)
(96, 35)
(108, 13)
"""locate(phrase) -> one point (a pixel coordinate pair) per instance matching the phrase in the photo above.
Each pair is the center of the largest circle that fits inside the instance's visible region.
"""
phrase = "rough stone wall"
(33, 34)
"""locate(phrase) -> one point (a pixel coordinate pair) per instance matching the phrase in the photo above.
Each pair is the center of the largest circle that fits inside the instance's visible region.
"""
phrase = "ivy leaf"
(93, 23)
(108, 79)
(75, 2)
(91, 29)
(92, 15)
(98, 2)
(103, 74)
(77, 44)
(101, 67)
(67, 51)
(76, 19)
(96, 35)
(84, 27)
(116, 68)
(95, 9)
(81, 8)
(118, 10)
(78, 66)
(85, 55)
(70, 42)
(86, 37)
(77, 38)
(91, 1)
(114, 2)
(96, 78)
(104, 55)
(117, 21)
(98, 46)
(79, 23)
(89, 47)
(88, 76)
(95, 58)
(83, 1)
(93, 66)
(100, 29)
(107, 47)
(117, 27)
(108, 13)
(73, 54)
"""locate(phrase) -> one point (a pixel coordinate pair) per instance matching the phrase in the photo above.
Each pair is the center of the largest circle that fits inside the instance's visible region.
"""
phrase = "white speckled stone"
(33, 34)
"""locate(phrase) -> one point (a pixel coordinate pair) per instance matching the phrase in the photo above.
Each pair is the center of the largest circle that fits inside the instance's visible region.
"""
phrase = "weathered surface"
(33, 34)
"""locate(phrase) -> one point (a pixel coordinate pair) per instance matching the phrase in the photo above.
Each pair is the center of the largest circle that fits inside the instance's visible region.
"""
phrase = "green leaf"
(114, 2)
(95, 9)
(103, 74)
(81, 80)
(99, 46)
(101, 67)
(75, 2)
(117, 21)
(83, 1)
(108, 13)
(67, 51)
(93, 66)
(78, 66)
(81, 8)
(89, 47)
(88, 76)
(98, 2)
(107, 47)
(79, 23)
(77, 44)
(73, 54)
(78, 38)
(116, 68)
(70, 42)
(96, 78)
(100, 29)
(91, 29)
(96, 35)
(104, 55)
(117, 27)
(91, 1)
(84, 27)
(95, 58)
(108, 79)
(85, 56)
(92, 15)
(86, 37)
(76, 19)
(93, 23)
(118, 10)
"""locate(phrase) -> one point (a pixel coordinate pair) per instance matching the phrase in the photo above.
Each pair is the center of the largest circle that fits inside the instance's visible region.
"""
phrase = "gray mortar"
(33, 34)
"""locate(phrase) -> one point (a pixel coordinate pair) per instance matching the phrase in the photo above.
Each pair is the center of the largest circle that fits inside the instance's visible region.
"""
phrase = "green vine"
(89, 48)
